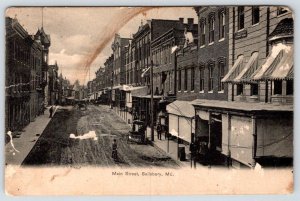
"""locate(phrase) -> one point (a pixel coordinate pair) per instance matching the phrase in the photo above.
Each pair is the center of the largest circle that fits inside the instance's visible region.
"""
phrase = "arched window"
(221, 72)
(222, 24)
(211, 29)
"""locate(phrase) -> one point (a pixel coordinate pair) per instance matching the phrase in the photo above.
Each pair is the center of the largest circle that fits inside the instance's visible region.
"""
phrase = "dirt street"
(55, 147)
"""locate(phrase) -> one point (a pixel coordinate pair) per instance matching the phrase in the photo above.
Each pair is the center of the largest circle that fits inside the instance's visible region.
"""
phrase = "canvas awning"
(181, 108)
(235, 70)
(248, 70)
(278, 65)
(117, 87)
(139, 91)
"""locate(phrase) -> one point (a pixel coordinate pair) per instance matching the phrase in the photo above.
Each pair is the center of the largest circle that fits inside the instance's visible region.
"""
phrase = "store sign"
(240, 34)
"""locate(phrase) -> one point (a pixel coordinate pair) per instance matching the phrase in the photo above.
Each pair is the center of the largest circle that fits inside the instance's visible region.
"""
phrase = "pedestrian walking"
(51, 111)
(194, 149)
(115, 150)
(158, 129)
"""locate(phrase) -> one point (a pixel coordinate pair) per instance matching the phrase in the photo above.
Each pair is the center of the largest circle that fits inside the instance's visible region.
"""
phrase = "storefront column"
(254, 133)
(229, 140)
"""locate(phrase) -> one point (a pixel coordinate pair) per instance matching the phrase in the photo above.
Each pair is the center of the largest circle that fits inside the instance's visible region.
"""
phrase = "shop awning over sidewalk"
(181, 108)
(235, 70)
(248, 70)
(181, 121)
(278, 65)
(241, 106)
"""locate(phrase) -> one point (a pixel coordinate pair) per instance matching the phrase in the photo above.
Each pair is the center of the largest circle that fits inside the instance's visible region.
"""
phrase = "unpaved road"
(54, 147)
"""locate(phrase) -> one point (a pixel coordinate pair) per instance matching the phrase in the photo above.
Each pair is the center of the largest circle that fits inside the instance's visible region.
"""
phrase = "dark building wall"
(209, 53)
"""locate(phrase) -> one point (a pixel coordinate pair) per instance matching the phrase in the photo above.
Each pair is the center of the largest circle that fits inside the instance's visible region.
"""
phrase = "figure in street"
(158, 129)
(51, 111)
(115, 150)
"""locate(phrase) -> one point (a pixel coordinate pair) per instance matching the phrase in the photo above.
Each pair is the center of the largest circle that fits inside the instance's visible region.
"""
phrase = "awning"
(248, 70)
(139, 91)
(278, 65)
(117, 87)
(235, 70)
(181, 108)
(145, 71)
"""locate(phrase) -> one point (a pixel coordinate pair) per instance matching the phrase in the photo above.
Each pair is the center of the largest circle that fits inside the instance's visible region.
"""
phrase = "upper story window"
(221, 72)
(255, 14)
(210, 77)
(211, 29)
(281, 10)
(179, 80)
(201, 70)
(222, 25)
(202, 29)
(241, 17)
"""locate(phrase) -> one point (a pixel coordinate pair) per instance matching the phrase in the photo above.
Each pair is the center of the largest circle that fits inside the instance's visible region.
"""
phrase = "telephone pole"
(152, 102)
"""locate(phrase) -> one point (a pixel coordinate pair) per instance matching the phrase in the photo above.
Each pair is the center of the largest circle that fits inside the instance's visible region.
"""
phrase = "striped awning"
(235, 70)
(279, 64)
(248, 70)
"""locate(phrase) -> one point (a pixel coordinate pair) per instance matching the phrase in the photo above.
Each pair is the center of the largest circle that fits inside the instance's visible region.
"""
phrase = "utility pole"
(111, 101)
(152, 102)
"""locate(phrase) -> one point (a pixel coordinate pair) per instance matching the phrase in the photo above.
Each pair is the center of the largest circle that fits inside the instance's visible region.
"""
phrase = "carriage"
(138, 132)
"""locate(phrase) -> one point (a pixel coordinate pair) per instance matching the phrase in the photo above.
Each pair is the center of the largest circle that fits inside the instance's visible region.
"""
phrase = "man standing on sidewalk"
(51, 111)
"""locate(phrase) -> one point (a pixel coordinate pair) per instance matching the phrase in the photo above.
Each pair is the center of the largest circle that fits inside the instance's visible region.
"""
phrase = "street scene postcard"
(149, 100)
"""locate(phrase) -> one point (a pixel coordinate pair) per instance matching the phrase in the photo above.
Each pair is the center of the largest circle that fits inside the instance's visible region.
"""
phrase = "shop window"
(222, 25)
(289, 87)
(211, 29)
(239, 89)
(192, 79)
(278, 87)
(202, 40)
(255, 14)
(201, 70)
(221, 75)
(210, 77)
(241, 17)
(254, 89)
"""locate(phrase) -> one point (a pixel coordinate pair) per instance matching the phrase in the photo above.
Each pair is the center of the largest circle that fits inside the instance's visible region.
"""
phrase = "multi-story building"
(203, 79)
(163, 51)
(45, 40)
(118, 47)
(24, 76)
(255, 125)
(53, 88)
(130, 63)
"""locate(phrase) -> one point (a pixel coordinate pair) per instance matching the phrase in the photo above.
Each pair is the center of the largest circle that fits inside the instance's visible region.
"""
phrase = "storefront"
(246, 133)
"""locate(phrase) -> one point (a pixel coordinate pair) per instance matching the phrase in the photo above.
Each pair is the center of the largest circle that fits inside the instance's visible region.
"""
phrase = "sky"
(81, 37)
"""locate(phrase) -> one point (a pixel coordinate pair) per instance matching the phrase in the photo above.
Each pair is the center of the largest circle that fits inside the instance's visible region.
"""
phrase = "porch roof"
(242, 106)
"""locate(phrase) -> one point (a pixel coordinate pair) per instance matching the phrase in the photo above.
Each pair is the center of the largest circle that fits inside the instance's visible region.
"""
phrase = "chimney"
(181, 20)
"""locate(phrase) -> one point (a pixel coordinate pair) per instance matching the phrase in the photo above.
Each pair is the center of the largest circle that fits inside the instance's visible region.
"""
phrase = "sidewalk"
(170, 147)
(27, 139)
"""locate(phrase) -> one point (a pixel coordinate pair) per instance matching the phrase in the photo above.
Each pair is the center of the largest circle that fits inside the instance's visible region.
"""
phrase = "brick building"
(53, 88)
(255, 125)
(25, 83)
(118, 47)
(164, 57)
